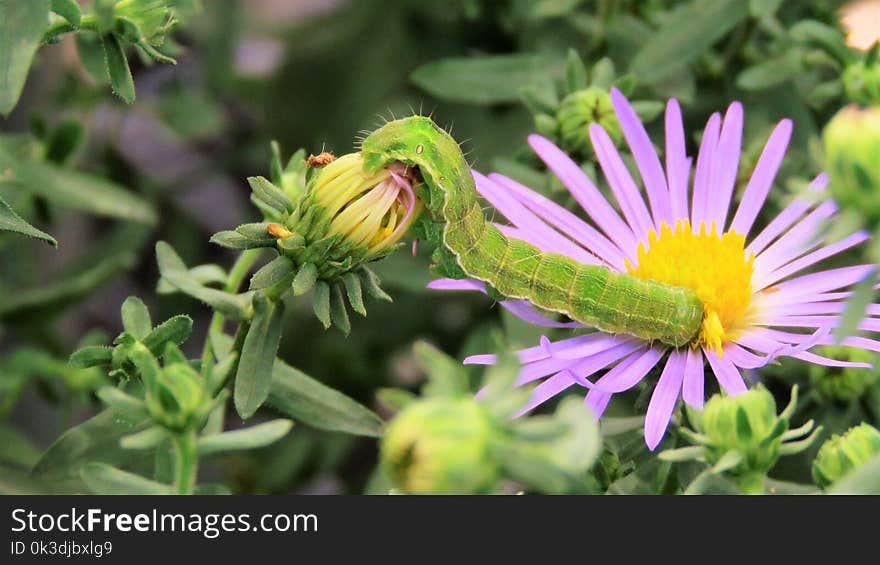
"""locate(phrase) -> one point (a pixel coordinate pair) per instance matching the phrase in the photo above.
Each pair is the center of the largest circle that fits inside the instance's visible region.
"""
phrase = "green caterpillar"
(590, 294)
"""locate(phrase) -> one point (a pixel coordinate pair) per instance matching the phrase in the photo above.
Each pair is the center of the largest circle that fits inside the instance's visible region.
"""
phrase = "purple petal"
(531, 228)
(623, 377)
(546, 390)
(597, 401)
(821, 254)
(868, 324)
(457, 284)
(762, 178)
(523, 310)
(664, 398)
(678, 166)
(646, 158)
(587, 195)
(703, 174)
(796, 241)
(565, 221)
(828, 362)
(725, 165)
(582, 367)
(787, 217)
(726, 372)
(745, 359)
(622, 185)
(823, 281)
(694, 379)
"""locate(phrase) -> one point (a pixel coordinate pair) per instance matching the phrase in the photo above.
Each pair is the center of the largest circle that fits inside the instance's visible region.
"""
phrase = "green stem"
(236, 275)
(752, 484)
(186, 462)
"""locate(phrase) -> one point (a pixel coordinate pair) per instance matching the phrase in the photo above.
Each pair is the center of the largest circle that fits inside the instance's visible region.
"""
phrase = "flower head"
(757, 303)
(842, 454)
(327, 218)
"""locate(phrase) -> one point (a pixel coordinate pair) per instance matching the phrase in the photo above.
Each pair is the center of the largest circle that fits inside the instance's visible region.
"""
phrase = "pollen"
(716, 267)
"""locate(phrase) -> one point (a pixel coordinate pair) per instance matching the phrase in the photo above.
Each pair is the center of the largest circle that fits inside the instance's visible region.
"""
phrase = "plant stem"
(752, 484)
(186, 462)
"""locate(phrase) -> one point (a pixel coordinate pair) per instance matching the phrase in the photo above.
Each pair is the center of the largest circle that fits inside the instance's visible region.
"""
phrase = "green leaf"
(91, 53)
(708, 482)
(338, 312)
(10, 221)
(446, 376)
(689, 453)
(270, 194)
(260, 435)
(203, 274)
(96, 439)
(484, 80)
(175, 273)
(354, 292)
(321, 303)
(121, 80)
(17, 449)
(174, 330)
(67, 137)
(56, 296)
(863, 480)
(77, 190)
(136, 318)
(101, 478)
(305, 279)
(131, 407)
(771, 72)
(147, 439)
(763, 8)
(611, 426)
(311, 402)
(275, 272)
(254, 376)
(92, 356)
(67, 9)
(686, 33)
(21, 29)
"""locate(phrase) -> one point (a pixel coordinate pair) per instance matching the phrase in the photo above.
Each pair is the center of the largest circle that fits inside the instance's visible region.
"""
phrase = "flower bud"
(842, 454)
(177, 397)
(144, 20)
(741, 424)
(852, 143)
(844, 384)
(441, 446)
(580, 109)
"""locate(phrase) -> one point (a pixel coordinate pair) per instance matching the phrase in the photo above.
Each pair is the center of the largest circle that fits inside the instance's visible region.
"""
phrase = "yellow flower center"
(715, 267)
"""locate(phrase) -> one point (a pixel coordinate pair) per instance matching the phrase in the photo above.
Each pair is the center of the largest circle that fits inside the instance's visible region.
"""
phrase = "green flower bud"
(580, 109)
(861, 82)
(843, 384)
(144, 20)
(176, 399)
(852, 144)
(741, 424)
(842, 454)
(441, 446)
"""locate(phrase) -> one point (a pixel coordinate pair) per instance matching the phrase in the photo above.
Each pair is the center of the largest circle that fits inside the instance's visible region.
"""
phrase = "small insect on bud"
(441, 446)
(279, 231)
(845, 453)
(321, 160)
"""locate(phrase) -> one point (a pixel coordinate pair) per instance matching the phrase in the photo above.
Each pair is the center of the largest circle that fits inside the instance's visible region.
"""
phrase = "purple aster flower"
(757, 304)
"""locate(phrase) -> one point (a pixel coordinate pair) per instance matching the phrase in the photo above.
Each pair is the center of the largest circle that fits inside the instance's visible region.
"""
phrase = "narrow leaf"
(67, 9)
(355, 293)
(338, 312)
(254, 376)
(21, 28)
(311, 402)
(10, 221)
(121, 80)
(260, 435)
(321, 303)
(270, 194)
(305, 279)
(275, 272)
(133, 408)
(106, 479)
(174, 330)
(483, 80)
